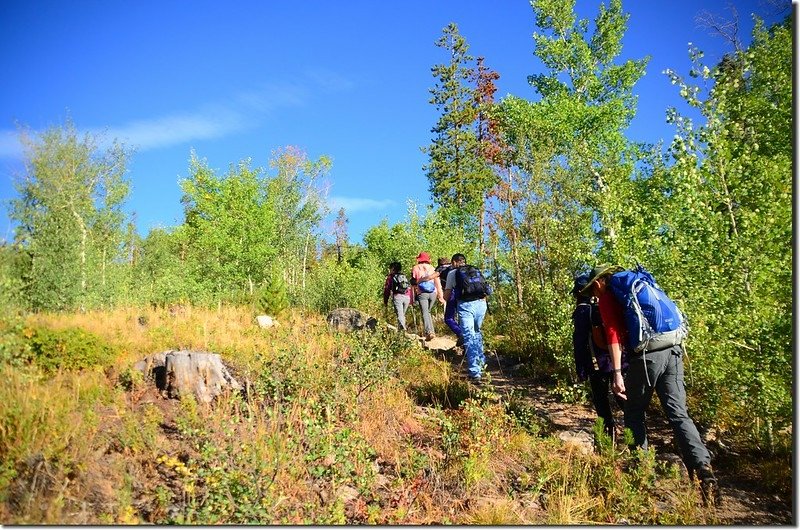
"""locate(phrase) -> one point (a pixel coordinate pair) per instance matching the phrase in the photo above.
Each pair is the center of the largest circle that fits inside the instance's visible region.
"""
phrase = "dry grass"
(326, 447)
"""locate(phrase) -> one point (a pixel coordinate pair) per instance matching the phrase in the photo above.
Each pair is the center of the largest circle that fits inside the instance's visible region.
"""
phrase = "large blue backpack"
(652, 319)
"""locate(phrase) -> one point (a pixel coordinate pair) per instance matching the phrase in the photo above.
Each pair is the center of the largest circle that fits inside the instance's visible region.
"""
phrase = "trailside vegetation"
(370, 428)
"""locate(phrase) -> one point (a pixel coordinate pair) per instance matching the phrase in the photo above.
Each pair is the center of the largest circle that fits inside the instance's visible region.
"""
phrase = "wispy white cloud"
(358, 204)
(9, 145)
(177, 129)
(330, 80)
(243, 110)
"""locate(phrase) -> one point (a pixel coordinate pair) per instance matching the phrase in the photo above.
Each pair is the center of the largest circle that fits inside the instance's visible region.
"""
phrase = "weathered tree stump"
(179, 373)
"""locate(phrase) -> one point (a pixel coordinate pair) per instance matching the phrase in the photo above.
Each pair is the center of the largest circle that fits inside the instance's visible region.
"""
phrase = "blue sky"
(349, 79)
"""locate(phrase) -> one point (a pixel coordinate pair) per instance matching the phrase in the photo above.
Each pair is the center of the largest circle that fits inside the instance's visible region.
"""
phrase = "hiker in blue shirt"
(592, 359)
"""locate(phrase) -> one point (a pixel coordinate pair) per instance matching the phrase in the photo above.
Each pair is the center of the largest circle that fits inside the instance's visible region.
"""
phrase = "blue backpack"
(426, 286)
(652, 319)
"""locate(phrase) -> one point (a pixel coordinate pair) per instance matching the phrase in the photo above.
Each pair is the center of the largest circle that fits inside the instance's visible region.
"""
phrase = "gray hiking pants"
(401, 303)
(665, 371)
(426, 302)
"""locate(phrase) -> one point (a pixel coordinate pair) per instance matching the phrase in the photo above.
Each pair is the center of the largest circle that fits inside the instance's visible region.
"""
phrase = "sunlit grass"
(334, 428)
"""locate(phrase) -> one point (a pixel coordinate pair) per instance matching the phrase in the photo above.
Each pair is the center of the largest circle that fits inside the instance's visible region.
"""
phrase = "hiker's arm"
(431, 276)
(618, 384)
(387, 290)
(580, 342)
(611, 313)
(437, 282)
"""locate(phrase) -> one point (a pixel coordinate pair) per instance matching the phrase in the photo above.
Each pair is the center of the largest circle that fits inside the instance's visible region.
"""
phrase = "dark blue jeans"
(664, 369)
(450, 315)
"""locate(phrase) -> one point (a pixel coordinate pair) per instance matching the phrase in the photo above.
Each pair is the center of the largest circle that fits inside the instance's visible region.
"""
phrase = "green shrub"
(68, 349)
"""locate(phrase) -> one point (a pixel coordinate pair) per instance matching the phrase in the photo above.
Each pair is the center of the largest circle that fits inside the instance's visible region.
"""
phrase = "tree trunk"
(481, 228)
(305, 260)
(180, 373)
(84, 237)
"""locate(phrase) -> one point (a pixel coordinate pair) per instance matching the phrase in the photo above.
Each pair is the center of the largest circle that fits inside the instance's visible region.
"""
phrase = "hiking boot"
(459, 342)
(477, 381)
(709, 488)
(430, 336)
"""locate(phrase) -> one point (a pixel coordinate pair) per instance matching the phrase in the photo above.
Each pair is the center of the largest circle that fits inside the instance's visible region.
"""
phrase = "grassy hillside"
(361, 428)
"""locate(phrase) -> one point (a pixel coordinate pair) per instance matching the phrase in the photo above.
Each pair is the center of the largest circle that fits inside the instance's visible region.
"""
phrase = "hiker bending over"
(425, 290)
(468, 286)
(655, 367)
(398, 288)
(592, 360)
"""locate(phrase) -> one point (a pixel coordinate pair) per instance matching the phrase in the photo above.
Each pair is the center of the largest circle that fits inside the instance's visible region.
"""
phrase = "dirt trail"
(743, 500)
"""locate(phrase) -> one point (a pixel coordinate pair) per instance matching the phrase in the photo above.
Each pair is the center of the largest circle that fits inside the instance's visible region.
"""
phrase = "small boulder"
(265, 321)
(440, 344)
(580, 439)
(348, 319)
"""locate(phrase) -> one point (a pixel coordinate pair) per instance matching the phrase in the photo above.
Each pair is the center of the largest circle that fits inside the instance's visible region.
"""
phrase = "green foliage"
(13, 263)
(70, 215)
(68, 349)
(239, 225)
(165, 272)
(726, 205)
(458, 174)
(272, 298)
(429, 230)
(331, 285)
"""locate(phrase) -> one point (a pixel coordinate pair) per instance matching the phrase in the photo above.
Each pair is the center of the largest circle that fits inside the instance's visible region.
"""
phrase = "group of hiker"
(627, 342)
(463, 295)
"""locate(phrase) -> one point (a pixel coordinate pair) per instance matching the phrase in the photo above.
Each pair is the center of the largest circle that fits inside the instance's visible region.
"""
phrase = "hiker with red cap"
(426, 290)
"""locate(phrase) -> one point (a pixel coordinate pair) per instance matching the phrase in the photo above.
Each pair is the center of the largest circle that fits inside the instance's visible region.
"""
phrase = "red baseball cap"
(423, 257)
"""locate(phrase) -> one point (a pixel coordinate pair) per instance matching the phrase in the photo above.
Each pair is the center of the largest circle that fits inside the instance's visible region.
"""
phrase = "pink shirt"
(421, 270)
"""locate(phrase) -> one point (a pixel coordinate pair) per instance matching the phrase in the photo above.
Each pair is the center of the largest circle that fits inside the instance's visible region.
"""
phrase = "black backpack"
(471, 284)
(400, 283)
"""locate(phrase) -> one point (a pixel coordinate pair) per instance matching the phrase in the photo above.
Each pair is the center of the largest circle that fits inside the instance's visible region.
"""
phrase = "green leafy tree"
(165, 271)
(241, 224)
(70, 216)
(272, 297)
(588, 91)
(430, 231)
(340, 234)
(727, 220)
(564, 170)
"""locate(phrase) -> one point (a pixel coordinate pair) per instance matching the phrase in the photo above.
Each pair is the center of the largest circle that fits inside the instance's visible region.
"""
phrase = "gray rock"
(580, 439)
(348, 319)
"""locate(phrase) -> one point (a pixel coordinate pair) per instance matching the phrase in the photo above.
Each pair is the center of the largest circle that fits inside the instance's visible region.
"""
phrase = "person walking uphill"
(426, 291)
(592, 359)
(443, 269)
(470, 290)
(398, 288)
(658, 365)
